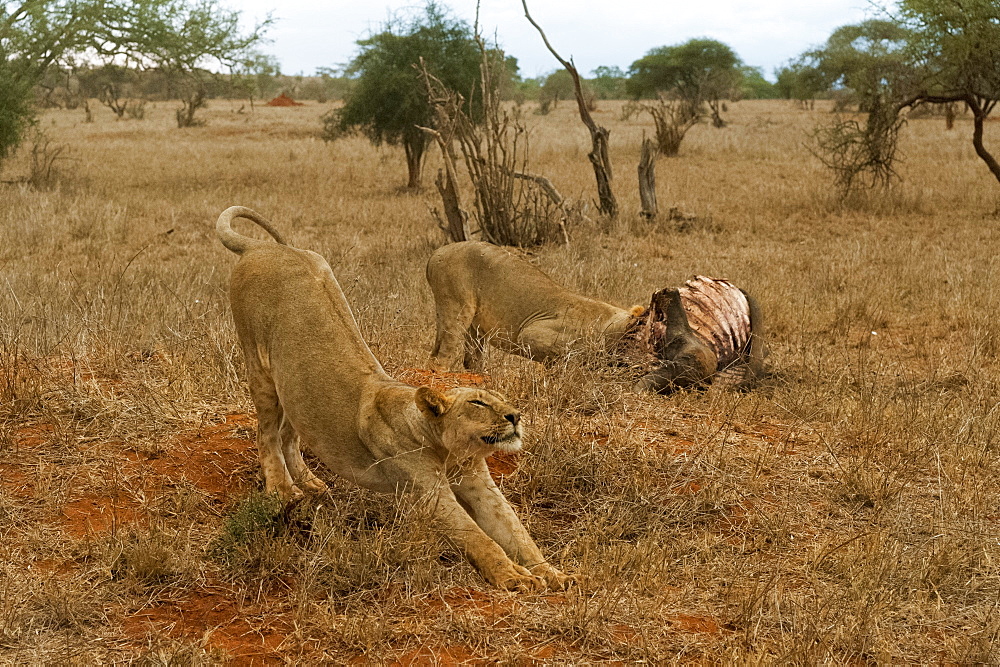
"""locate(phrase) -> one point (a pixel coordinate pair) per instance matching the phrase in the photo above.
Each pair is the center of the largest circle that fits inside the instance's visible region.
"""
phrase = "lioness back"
(293, 319)
(505, 289)
(510, 302)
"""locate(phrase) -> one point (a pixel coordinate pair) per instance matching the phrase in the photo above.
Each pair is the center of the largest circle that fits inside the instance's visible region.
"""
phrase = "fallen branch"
(554, 196)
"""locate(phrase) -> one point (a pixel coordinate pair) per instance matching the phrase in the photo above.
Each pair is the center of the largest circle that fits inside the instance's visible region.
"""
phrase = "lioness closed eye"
(313, 379)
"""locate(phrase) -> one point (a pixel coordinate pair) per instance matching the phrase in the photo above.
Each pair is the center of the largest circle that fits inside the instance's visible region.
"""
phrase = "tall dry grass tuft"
(845, 511)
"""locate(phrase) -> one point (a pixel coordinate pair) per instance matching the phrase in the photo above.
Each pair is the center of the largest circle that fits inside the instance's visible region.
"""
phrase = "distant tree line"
(386, 101)
(260, 79)
(68, 53)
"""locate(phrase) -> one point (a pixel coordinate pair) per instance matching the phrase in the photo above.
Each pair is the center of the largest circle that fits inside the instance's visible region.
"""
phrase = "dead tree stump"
(647, 178)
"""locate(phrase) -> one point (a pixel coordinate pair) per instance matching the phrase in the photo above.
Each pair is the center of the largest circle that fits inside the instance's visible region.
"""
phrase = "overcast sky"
(765, 33)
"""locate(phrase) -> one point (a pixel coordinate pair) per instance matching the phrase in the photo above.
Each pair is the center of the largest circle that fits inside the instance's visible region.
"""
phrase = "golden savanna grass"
(848, 510)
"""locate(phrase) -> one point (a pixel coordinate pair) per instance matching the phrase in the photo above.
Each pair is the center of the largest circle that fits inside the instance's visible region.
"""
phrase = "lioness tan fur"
(313, 379)
(482, 293)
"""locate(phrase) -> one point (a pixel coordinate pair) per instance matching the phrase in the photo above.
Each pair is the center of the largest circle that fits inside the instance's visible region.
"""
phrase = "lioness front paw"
(314, 486)
(288, 493)
(516, 578)
(554, 579)
(520, 583)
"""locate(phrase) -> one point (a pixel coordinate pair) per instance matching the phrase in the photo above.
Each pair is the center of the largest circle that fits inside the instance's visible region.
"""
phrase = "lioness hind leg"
(272, 461)
(452, 327)
(301, 475)
(475, 348)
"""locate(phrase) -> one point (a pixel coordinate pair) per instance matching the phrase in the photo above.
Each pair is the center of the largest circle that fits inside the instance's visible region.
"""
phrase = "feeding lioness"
(688, 336)
(313, 378)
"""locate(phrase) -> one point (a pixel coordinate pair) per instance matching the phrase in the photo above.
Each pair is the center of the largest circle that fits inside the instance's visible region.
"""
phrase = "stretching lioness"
(313, 378)
(706, 329)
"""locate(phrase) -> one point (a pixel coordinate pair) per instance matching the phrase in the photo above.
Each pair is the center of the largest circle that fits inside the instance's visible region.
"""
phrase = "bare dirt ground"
(846, 511)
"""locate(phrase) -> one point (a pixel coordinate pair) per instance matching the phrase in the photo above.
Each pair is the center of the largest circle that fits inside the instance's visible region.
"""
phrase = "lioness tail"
(237, 242)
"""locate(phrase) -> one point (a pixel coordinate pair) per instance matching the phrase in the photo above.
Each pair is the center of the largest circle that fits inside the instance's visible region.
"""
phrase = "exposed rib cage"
(719, 314)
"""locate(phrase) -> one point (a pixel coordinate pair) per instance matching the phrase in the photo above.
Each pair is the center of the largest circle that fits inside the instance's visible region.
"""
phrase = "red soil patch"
(219, 620)
(96, 515)
(687, 488)
(32, 435)
(555, 653)
(54, 566)
(788, 438)
(283, 100)
(71, 372)
(448, 655)
(15, 482)
(215, 458)
(471, 599)
(669, 440)
(502, 464)
(689, 623)
(440, 379)
(737, 519)
(681, 446)
(623, 633)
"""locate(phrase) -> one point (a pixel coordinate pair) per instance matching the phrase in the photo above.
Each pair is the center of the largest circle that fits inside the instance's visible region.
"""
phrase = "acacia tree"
(187, 41)
(754, 86)
(870, 59)
(697, 72)
(38, 34)
(34, 35)
(557, 86)
(931, 51)
(870, 62)
(115, 86)
(956, 47)
(608, 82)
(388, 101)
(799, 80)
(255, 76)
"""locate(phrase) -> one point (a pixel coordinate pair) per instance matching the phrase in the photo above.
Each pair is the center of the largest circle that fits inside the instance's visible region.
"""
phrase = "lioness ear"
(432, 402)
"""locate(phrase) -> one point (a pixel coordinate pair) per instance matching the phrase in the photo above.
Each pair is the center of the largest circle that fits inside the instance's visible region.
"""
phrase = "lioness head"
(472, 421)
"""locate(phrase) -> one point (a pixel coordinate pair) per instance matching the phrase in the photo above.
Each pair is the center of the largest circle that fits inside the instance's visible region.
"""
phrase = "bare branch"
(598, 135)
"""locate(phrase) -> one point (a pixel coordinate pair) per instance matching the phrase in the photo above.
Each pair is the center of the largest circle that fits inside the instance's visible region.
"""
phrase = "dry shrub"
(363, 542)
(45, 155)
(509, 208)
(29, 607)
(253, 542)
(347, 543)
(147, 557)
(859, 156)
(672, 118)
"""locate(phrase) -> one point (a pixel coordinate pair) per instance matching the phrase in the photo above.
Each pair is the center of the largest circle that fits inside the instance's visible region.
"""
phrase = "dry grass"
(847, 511)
